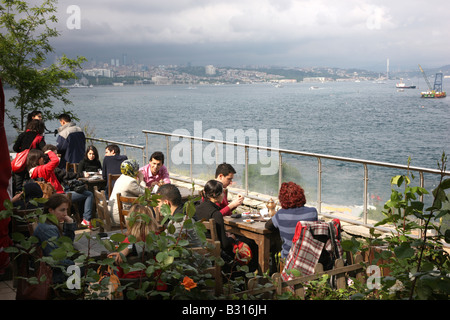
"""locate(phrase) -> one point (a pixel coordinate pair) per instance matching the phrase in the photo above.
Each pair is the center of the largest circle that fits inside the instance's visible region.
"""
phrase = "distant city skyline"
(353, 33)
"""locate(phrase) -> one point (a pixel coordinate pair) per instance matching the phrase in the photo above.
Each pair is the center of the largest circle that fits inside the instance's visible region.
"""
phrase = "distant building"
(99, 72)
(314, 79)
(210, 70)
(160, 80)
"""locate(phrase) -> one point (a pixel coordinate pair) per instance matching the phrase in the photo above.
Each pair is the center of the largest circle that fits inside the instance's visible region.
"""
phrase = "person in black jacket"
(90, 162)
(213, 193)
(111, 163)
(34, 129)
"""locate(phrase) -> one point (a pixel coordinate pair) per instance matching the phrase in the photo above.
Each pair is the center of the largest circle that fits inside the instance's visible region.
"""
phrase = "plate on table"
(248, 220)
(255, 215)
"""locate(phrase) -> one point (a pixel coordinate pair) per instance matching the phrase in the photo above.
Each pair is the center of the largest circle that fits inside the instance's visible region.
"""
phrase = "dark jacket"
(71, 144)
(207, 210)
(111, 164)
(24, 141)
(88, 166)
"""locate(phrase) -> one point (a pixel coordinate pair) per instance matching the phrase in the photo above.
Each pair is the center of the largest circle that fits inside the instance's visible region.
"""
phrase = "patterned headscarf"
(129, 168)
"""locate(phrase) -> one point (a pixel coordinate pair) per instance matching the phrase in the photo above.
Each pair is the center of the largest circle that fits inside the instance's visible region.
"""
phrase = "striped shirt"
(286, 221)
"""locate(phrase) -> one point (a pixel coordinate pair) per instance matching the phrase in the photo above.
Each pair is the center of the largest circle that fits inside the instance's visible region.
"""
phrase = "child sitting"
(139, 228)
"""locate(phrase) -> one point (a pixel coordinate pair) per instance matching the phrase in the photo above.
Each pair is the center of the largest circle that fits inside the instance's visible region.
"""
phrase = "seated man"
(111, 163)
(71, 142)
(171, 196)
(155, 173)
(225, 174)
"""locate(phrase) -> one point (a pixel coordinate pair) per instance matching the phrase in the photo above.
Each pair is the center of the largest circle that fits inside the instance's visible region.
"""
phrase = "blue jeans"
(88, 198)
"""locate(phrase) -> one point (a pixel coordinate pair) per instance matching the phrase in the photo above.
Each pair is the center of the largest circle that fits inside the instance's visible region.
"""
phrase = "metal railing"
(319, 157)
(124, 145)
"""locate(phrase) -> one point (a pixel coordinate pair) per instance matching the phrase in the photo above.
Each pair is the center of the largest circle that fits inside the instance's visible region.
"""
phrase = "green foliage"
(419, 266)
(24, 47)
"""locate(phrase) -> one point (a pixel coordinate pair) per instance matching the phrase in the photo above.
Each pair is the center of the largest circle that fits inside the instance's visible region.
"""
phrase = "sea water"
(362, 120)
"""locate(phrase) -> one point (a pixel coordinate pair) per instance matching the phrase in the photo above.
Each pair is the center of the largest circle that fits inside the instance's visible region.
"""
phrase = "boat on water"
(77, 85)
(436, 91)
(433, 94)
(402, 85)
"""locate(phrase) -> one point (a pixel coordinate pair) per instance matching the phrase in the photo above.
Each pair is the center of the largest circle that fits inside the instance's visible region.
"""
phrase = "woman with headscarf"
(129, 184)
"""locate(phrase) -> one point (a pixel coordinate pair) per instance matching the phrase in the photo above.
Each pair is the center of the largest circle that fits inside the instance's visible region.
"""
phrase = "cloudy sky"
(345, 33)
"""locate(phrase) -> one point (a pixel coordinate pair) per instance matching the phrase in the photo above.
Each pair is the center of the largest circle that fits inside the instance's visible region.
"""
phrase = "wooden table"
(91, 182)
(96, 180)
(255, 231)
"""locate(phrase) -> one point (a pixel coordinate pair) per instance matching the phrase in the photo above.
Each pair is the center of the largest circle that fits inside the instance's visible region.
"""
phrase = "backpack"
(314, 242)
(46, 187)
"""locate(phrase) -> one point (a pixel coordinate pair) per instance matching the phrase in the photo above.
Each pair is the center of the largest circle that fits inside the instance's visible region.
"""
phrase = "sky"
(293, 33)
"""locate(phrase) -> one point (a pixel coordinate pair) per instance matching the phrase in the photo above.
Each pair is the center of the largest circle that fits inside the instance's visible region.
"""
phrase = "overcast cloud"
(347, 33)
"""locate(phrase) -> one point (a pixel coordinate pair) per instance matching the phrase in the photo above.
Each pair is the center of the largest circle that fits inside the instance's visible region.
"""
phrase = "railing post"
(366, 189)
(191, 162)
(167, 153)
(319, 185)
(216, 147)
(422, 185)
(246, 170)
(280, 170)
(146, 147)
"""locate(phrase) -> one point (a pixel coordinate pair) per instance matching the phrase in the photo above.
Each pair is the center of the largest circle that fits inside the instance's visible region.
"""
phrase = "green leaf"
(404, 251)
(183, 243)
(58, 254)
(160, 256)
(350, 245)
(447, 235)
(445, 184)
(117, 237)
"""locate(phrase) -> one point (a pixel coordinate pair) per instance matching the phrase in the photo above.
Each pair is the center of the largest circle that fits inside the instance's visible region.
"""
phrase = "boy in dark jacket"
(111, 163)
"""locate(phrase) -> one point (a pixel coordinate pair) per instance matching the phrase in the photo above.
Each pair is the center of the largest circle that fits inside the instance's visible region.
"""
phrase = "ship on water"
(436, 91)
(402, 85)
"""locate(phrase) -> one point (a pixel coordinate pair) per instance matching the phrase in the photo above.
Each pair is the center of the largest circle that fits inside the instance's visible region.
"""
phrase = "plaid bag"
(313, 242)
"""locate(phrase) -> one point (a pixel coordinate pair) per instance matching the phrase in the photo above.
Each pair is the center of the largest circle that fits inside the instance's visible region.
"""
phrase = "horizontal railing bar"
(116, 142)
(307, 154)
